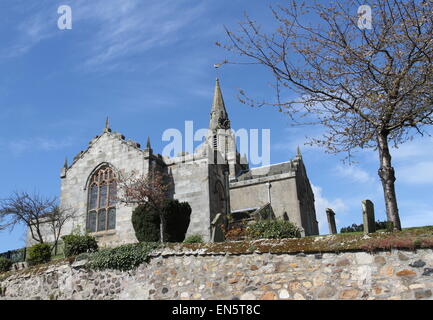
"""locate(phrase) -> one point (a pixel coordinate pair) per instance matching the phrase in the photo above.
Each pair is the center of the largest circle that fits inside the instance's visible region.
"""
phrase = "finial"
(66, 163)
(107, 125)
(299, 152)
(148, 143)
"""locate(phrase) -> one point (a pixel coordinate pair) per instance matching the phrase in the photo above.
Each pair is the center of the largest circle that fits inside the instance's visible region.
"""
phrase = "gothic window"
(101, 207)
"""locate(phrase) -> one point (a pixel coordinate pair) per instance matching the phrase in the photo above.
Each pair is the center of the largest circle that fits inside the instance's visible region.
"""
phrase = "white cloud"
(354, 173)
(411, 150)
(295, 137)
(413, 161)
(416, 173)
(321, 204)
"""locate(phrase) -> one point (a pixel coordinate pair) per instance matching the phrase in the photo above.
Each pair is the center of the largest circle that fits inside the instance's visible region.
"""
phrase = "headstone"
(368, 216)
(217, 228)
(331, 221)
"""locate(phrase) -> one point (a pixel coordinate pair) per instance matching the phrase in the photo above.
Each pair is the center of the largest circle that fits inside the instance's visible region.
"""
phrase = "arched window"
(101, 207)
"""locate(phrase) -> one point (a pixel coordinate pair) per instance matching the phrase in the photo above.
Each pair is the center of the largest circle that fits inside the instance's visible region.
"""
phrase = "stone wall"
(195, 275)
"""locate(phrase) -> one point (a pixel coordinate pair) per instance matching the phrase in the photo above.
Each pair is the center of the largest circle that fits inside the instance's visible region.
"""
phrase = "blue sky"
(148, 65)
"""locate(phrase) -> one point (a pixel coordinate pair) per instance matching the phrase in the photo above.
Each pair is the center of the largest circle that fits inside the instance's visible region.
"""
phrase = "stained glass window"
(111, 219)
(91, 221)
(101, 214)
(93, 197)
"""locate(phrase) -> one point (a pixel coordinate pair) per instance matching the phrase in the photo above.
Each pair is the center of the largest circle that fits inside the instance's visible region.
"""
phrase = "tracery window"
(101, 207)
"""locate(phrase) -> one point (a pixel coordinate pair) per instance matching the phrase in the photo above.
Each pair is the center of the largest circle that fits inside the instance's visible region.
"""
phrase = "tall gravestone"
(368, 216)
(331, 221)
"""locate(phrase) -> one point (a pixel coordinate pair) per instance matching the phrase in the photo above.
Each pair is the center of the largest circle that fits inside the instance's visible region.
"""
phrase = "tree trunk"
(387, 176)
(162, 228)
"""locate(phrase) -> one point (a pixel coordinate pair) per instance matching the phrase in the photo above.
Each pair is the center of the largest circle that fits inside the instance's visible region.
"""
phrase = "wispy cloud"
(132, 27)
(413, 161)
(414, 150)
(354, 174)
(38, 22)
(21, 146)
(416, 173)
(295, 137)
(114, 29)
(322, 203)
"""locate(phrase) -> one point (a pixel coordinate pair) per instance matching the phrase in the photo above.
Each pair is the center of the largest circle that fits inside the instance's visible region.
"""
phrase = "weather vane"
(219, 65)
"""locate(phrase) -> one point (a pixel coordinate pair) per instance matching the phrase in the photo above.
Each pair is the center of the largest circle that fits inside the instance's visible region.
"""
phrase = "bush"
(195, 238)
(125, 257)
(389, 226)
(380, 225)
(177, 217)
(273, 229)
(39, 253)
(146, 223)
(75, 244)
(5, 264)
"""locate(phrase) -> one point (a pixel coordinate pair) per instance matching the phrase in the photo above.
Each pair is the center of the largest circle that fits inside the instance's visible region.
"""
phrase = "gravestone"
(217, 233)
(368, 216)
(331, 221)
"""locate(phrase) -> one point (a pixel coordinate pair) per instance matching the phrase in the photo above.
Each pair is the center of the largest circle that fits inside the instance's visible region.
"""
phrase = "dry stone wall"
(356, 275)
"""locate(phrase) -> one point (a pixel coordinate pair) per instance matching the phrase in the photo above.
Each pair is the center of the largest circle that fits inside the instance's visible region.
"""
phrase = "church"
(215, 180)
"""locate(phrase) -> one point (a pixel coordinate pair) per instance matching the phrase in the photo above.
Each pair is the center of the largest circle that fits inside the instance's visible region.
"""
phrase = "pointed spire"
(298, 155)
(66, 163)
(219, 117)
(148, 143)
(107, 125)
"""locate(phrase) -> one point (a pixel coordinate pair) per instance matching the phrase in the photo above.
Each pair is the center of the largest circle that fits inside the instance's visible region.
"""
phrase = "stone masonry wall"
(385, 275)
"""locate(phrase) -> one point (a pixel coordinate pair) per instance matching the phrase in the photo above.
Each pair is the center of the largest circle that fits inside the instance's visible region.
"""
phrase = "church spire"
(219, 117)
(148, 143)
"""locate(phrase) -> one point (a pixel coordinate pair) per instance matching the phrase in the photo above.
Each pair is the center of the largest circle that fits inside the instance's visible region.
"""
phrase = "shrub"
(75, 244)
(380, 225)
(273, 229)
(5, 264)
(39, 253)
(389, 226)
(125, 257)
(195, 238)
(353, 228)
(146, 223)
(177, 217)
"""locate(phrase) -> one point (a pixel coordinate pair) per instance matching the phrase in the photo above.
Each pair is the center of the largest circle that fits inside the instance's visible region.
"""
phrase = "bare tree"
(369, 88)
(35, 212)
(56, 218)
(145, 189)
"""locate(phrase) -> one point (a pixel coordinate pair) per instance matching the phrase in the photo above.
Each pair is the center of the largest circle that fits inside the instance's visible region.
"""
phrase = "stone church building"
(215, 181)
